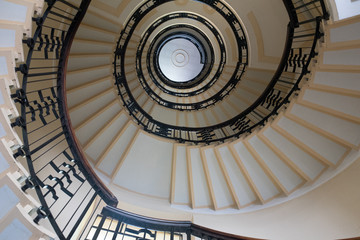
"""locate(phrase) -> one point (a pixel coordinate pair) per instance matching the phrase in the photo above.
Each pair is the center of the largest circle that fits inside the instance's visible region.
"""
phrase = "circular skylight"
(180, 60)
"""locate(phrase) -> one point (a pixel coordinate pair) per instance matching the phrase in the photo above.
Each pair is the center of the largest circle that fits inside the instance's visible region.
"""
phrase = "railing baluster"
(58, 171)
(99, 227)
(295, 61)
(57, 177)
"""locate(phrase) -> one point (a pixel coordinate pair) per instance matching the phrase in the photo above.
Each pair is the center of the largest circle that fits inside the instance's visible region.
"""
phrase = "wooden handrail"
(73, 142)
(168, 225)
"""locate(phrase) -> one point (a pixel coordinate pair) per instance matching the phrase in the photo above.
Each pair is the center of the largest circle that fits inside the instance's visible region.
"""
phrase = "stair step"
(13, 200)
(199, 115)
(211, 116)
(137, 92)
(8, 200)
(230, 108)
(282, 156)
(11, 39)
(153, 176)
(309, 165)
(115, 152)
(180, 191)
(222, 195)
(230, 185)
(200, 194)
(341, 34)
(163, 114)
(345, 131)
(97, 122)
(93, 33)
(86, 109)
(342, 58)
(18, 13)
(80, 95)
(239, 180)
(220, 114)
(79, 78)
(18, 229)
(289, 179)
(87, 46)
(191, 120)
(262, 76)
(335, 104)
(132, 81)
(88, 84)
(6, 130)
(340, 80)
(148, 106)
(4, 164)
(322, 148)
(7, 63)
(96, 20)
(91, 99)
(77, 62)
(262, 182)
(252, 87)
(104, 137)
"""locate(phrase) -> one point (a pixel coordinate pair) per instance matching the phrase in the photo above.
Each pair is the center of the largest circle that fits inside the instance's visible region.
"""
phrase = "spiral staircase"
(296, 170)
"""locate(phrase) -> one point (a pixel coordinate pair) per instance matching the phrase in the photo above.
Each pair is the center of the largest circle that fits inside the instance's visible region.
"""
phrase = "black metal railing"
(151, 56)
(114, 224)
(158, 79)
(300, 49)
(64, 183)
(208, 83)
(67, 188)
(158, 82)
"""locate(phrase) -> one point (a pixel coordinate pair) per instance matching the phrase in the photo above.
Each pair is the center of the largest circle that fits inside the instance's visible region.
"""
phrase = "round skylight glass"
(180, 60)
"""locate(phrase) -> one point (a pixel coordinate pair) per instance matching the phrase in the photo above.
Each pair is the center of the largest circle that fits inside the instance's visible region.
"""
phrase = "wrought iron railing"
(205, 85)
(157, 81)
(150, 57)
(65, 184)
(113, 223)
(300, 49)
(151, 66)
(154, 76)
(67, 188)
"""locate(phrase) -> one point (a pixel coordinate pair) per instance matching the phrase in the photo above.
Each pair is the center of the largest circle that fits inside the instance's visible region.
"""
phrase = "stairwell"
(313, 139)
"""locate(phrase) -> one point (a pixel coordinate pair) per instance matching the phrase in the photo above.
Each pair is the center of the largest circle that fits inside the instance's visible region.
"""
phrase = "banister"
(48, 173)
(171, 226)
(76, 150)
(64, 182)
(271, 99)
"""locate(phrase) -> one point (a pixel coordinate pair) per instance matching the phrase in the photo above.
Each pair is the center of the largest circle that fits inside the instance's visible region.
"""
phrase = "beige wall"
(331, 211)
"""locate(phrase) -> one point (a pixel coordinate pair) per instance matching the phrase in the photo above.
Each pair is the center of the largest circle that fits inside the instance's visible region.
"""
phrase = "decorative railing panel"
(114, 224)
(63, 181)
(150, 66)
(300, 49)
(125, 37)
(65, 184)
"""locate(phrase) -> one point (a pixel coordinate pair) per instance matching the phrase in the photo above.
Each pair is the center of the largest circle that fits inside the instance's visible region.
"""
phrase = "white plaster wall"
(347, 8)
(331, 211)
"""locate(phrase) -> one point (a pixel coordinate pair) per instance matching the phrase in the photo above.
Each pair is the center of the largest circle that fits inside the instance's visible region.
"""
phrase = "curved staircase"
(316, 133)
(313, 139)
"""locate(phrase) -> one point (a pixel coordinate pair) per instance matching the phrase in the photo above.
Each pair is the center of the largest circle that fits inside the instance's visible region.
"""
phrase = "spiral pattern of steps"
(289, 153)
(316, 137)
